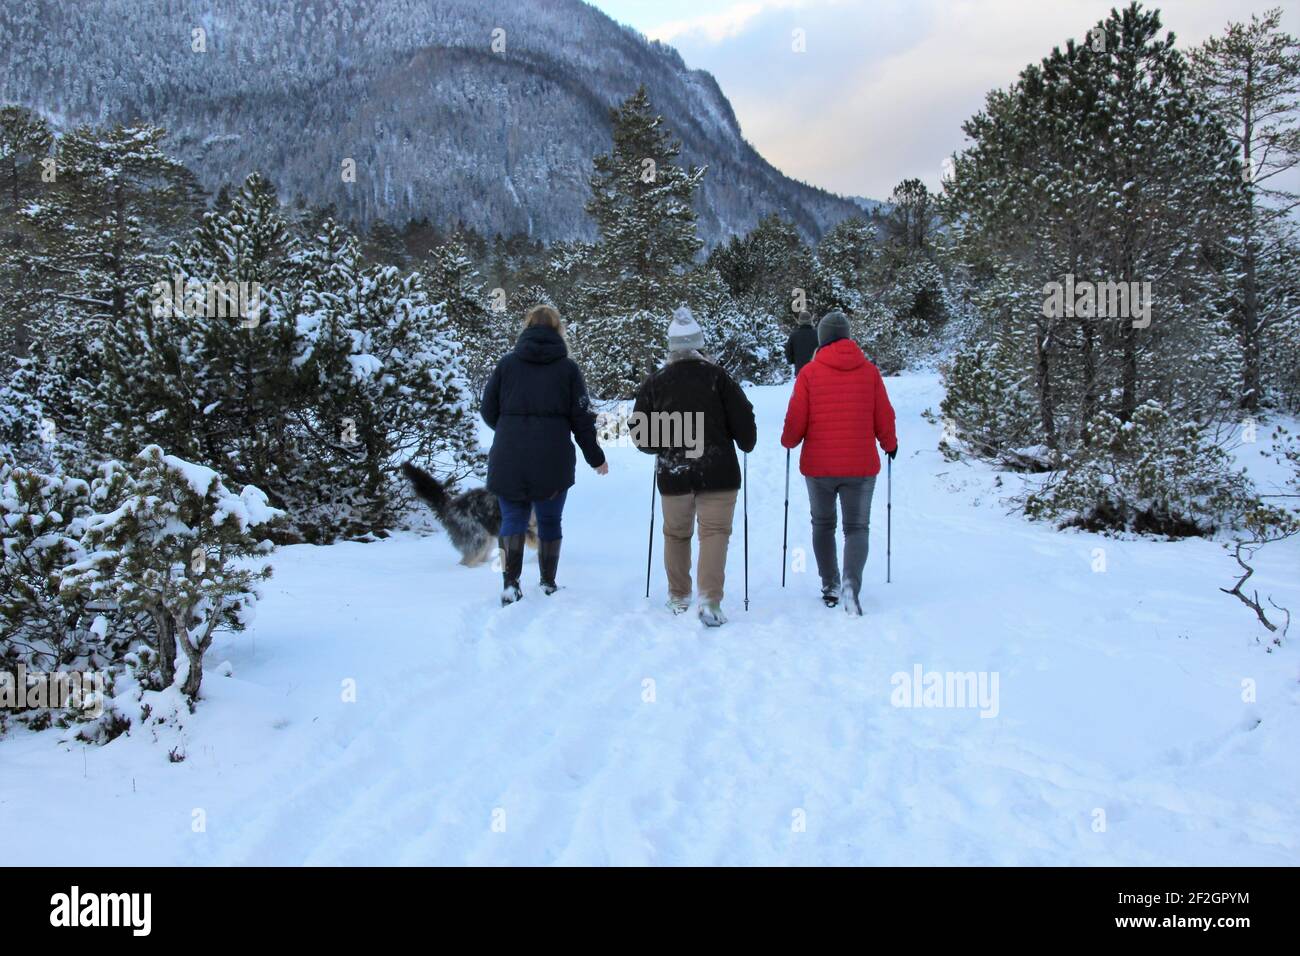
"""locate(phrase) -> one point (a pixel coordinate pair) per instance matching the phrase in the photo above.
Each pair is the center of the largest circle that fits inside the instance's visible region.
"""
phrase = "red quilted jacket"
(839, 410)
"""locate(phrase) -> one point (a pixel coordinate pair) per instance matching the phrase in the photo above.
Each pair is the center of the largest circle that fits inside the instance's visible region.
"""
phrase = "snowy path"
(592, 727)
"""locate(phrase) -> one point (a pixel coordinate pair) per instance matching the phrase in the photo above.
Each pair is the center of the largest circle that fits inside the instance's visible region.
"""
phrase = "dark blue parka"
(535, 399)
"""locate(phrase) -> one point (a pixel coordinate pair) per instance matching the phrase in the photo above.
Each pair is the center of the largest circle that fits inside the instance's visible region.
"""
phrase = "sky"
(882, 87)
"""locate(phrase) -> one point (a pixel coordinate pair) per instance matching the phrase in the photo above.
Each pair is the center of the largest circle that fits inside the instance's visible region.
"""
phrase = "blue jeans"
(514, 516)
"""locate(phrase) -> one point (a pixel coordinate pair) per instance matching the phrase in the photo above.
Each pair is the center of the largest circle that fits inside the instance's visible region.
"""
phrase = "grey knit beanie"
(684, 332)
(833, 326)
(804, 318)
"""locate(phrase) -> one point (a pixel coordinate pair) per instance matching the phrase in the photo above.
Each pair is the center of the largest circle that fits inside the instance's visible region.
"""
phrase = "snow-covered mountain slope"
(592, 727)
(486, 113)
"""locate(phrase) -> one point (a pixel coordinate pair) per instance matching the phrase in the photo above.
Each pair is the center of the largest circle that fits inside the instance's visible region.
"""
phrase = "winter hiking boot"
(711, 614)
(830, 596)
(512, 565)
(678, 605)
(850, 600)
(548, 560)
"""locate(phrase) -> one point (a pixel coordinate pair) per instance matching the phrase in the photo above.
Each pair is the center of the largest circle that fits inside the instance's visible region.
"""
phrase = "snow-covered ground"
(593, 728)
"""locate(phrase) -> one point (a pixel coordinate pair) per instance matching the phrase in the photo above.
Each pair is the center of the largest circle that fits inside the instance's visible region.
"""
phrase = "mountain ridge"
(438, 124)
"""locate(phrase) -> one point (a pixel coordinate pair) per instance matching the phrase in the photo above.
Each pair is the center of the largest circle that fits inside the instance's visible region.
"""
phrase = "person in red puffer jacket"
(840, 411)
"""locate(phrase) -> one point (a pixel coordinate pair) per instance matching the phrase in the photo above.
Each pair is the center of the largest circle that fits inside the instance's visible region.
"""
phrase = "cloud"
(884, 86)
(720, 25)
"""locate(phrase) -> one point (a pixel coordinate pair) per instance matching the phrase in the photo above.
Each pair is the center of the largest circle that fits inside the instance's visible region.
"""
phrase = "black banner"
(336, 905)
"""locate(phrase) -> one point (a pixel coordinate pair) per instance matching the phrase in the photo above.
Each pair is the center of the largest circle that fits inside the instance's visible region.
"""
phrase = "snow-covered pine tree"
(748, 344)
(987, 411)
(172, 543)
(383, 383)
(208, 374)
(42, 519)
(1099, 164)
(25, 140)
(768, 268)
(1250, 76)
(484, 333)
(642, 203)
(846, 255)
(115, 196)
(569, 276)
(1153, 474)
(26, 436)
(523, 299)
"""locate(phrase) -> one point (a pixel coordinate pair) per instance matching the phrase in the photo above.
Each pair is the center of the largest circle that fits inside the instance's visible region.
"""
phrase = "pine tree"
(1099, 164)
(847, 254)
(25, 140)
(42, 519)
(1250, 76)
(783, 268)
(208, 373)
(749, 344)
(642, 202)
(178, 547)
(115, 196)
(383, 381)
(910, 218)
(484, 332)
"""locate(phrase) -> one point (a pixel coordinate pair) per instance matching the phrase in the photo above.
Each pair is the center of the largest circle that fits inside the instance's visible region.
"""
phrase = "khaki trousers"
(714, 510)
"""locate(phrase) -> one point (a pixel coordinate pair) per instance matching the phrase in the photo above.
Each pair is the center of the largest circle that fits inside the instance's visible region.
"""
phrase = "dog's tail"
(428, 488)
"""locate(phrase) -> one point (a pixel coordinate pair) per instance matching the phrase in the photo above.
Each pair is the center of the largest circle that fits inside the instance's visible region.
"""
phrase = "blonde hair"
(544, 315)
(549, 317)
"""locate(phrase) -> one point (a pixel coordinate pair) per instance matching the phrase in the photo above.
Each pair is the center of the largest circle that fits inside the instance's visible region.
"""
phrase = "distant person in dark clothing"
(535, 399)
(802, 343)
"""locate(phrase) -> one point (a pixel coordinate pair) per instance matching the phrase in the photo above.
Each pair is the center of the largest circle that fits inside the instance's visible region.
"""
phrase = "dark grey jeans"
(854, 496)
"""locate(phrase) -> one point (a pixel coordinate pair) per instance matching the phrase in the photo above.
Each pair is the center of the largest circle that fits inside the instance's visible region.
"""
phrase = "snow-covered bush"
(987, 411)
(879, 333)
(750, 347)
(21, 423)
(915, 293)
(617, 352)
(1149, 475)
(42, 519)
(341, 372)
(382, 381)
(484, 333)
(44, 626)
(180, 548)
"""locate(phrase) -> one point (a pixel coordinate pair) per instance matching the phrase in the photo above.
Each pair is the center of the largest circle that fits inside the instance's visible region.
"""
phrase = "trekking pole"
(650, 546)
(889, 515)
(746, 507)
(785, 524)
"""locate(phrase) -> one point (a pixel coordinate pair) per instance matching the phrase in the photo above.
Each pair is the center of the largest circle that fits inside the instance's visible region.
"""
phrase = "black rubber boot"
(548, 560)
(512, 565)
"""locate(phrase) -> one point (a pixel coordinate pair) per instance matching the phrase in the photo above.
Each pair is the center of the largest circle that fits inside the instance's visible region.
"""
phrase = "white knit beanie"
(684, 332)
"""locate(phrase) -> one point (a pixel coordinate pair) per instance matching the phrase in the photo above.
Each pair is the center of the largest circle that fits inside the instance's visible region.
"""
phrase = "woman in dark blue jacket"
(535, 399)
